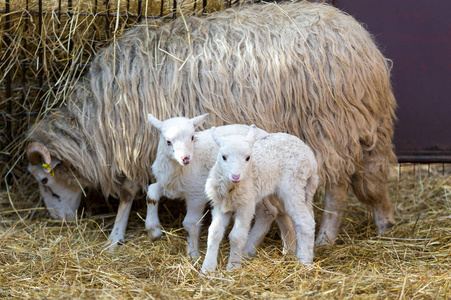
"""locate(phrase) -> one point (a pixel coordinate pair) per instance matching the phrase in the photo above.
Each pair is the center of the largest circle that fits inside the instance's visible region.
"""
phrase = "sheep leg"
(301, 212)
(335, 203)
(287, 233)
(216, 231)
(239, 234)
(153, 226)
(128, 193)
(192, 223)
(265, 214)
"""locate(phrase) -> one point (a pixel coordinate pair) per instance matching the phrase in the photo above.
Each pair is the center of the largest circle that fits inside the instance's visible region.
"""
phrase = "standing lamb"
(184, 159)
(247, 170)
(298, 67)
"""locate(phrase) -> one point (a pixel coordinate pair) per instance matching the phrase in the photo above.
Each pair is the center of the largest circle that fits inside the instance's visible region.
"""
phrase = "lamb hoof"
(306, 260)
(323, 240)
(112, 245)
(207, 271)
(233, 265)
(248, 254)
(194, 255)
(154, 234)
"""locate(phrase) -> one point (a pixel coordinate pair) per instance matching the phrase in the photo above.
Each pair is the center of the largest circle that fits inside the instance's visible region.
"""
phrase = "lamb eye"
(44, 180)
(224, 158)
(192, 138)
(248, 158)
(169, 143)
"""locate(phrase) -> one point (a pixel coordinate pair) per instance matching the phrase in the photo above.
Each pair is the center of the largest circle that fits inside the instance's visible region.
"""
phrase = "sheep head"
(58, 186)
(234, 154)
(177, 136)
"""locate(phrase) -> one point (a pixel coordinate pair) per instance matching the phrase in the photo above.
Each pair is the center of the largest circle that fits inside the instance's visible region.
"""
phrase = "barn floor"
(41, 258)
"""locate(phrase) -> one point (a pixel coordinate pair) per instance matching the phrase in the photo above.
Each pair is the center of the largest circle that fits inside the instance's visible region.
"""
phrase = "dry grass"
(41, 258)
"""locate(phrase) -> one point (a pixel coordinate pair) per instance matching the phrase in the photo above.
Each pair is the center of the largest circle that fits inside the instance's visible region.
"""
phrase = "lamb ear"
(155, 122)
(252, 135)
(215, 137)
(199, 120)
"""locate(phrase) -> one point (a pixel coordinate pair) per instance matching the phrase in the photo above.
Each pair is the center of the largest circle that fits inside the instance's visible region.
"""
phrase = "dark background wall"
(416, 36)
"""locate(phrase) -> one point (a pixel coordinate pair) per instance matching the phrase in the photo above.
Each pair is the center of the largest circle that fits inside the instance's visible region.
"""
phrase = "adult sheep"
(303, 68)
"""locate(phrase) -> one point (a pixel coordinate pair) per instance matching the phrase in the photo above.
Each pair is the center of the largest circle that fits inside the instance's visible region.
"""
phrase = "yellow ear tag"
(48, 167)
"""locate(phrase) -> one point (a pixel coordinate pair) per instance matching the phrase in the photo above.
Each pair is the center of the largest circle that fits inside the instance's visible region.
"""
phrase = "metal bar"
(8, 79)
(423, 159)
(161, 8)
(23, 113)
(95, 27)
(21, 88)
(48, 64)
(24, 68)
(76, 13)
(204, 7)
(59, 14)
(140, 4)
(70, 14)
(174, 9)
(40, 54)
(107, 17)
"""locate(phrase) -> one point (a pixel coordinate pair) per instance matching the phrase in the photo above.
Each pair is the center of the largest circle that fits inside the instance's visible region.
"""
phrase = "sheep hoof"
(248, 254)
(207, 270)
(322, 240)
(194, 255)
(112, 245)
(154, 233)
(233, 265)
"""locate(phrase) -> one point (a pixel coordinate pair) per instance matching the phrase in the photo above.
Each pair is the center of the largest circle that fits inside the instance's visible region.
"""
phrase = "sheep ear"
(252, 134)
(155, 122)
(215, 137)
(55, 162)
(199, 120)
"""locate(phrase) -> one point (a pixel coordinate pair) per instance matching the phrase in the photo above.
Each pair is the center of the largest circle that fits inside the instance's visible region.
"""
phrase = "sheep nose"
(186, 159)
(235, 178)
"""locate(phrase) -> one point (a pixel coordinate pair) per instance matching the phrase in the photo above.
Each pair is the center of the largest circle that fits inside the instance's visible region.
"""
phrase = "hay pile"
(41, 258)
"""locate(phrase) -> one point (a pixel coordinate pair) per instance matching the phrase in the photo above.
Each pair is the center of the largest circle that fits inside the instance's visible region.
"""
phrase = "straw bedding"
(41, 258)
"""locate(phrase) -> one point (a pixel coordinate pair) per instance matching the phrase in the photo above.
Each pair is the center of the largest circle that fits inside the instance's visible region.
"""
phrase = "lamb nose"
(185, 159)
(235, 177)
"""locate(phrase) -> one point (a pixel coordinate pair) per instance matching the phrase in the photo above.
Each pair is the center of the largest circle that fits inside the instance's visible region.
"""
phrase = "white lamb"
(184, 159)
(248, 170)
